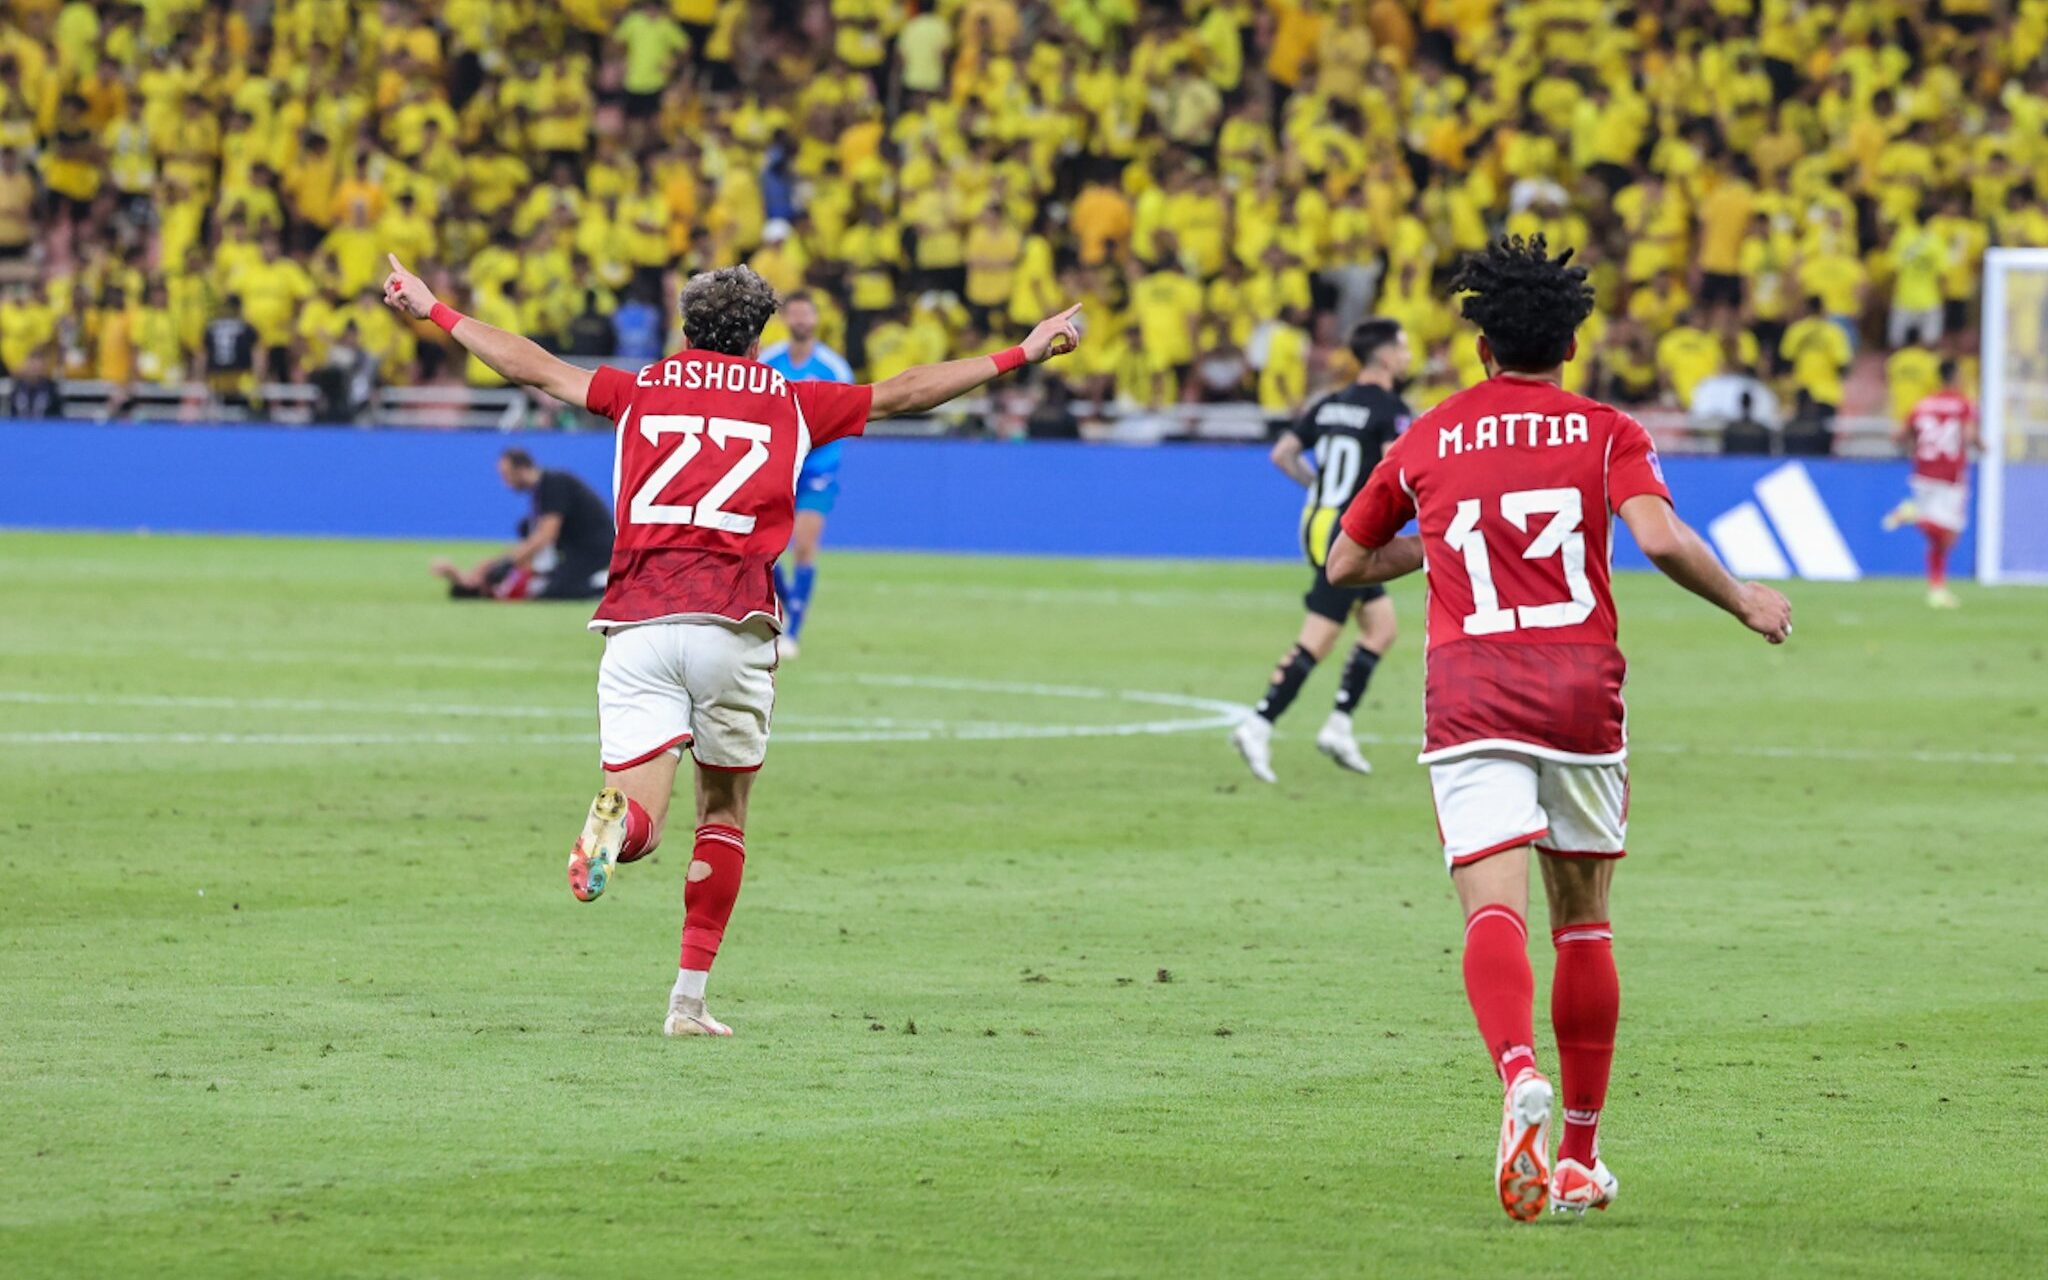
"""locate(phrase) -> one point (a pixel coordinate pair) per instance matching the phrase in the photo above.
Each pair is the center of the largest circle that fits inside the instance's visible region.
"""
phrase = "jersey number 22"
(709, 511)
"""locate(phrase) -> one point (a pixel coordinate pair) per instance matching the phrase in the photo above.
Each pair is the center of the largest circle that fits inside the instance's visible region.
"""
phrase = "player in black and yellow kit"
(1344, 433)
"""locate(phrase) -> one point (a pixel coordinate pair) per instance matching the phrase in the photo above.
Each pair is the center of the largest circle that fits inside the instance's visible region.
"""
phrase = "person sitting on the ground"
(564, 550)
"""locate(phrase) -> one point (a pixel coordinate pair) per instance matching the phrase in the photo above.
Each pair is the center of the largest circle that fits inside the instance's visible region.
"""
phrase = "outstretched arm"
(1353, 565)
(927, 386)
(516, 359)
(1687, 560)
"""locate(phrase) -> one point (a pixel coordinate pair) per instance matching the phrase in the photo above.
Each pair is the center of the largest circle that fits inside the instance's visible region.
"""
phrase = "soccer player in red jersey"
(1513, 484)
(710, 445)
(1942, 430)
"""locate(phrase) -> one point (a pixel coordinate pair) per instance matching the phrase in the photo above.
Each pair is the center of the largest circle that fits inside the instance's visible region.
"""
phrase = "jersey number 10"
(1562, 537)
(709, 511)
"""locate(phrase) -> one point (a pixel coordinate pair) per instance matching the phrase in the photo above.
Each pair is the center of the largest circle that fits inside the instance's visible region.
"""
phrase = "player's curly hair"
(1527, 303)
(724, 310)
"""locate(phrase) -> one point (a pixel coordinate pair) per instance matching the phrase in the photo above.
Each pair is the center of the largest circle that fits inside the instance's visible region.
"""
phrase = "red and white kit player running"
(1513, 484)
(1942, 431)
(710, 444)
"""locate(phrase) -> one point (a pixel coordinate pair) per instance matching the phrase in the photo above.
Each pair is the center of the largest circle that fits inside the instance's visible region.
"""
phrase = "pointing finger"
(396, 265)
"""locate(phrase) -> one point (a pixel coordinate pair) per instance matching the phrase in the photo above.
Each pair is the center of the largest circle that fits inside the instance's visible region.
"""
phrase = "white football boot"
(687, 1017)
(1335, 741)
(1253, 739)
(597, 848)
(1574, 1188)
(1521, 1168)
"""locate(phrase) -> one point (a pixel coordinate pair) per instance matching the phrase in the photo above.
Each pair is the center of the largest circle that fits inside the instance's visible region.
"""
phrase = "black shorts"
(1326, 599)
(1718, 290)
(643, 106)
(1955, 315)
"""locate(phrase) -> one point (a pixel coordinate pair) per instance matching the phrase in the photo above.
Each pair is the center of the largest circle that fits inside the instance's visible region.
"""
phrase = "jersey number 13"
(1562, 537)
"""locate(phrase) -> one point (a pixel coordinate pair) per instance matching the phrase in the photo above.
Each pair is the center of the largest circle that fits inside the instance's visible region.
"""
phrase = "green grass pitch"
(291, 983)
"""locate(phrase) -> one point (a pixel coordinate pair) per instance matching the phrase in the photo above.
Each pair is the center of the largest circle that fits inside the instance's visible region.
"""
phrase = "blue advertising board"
(1769, 517)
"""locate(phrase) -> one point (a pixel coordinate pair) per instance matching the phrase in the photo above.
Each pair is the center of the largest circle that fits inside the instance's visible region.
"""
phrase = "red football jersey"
(1513, 483)
(704, 481)
(1941, 426)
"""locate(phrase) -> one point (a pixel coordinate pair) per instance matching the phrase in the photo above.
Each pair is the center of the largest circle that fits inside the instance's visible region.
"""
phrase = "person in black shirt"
(1345, 434)
(230, 343)
(591, 333)
(33, 393)
(564, 550)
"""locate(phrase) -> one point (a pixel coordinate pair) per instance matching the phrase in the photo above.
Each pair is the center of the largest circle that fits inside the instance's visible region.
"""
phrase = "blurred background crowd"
(1789, 199)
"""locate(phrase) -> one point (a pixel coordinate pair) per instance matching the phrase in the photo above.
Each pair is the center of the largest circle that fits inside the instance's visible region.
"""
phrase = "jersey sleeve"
(611, 390)
(833, 410)
(1632, 465)
(1304, 428)
(1384, 506)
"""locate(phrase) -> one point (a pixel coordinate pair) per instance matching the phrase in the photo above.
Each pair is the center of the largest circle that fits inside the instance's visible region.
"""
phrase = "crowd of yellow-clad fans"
(207, 188)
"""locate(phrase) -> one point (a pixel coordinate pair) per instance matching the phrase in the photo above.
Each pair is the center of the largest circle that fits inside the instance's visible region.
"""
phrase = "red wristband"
(1008, 360)
(445, 316)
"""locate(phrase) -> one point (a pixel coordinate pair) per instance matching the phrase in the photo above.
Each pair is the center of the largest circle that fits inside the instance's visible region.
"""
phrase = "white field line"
(1215, 714)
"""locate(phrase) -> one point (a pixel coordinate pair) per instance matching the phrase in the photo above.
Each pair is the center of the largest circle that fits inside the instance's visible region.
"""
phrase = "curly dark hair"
(724, 310)
(1527, 303)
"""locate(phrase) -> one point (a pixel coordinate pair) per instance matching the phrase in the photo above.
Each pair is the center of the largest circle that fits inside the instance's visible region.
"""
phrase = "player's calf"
(717, 864)
(642, 835)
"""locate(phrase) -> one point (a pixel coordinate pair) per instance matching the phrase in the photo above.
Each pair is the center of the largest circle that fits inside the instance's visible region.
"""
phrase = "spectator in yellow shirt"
(781, 259)
(993, 244)
(1101, 218)
(1838, 279)
(1168, 309)
(654, 44)
(1817, 351)
(272, 289)
(353, 248)
(1919, 259)
(1687, 356)
(1281, 351)
(159, 352)
(1912, 373)
(1724, 219)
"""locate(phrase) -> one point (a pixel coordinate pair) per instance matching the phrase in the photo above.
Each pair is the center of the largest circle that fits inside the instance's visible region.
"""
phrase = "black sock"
(1357, 675)
(1286, 683)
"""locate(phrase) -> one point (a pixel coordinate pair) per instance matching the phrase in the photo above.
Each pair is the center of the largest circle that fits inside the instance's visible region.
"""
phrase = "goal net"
(2012, 501)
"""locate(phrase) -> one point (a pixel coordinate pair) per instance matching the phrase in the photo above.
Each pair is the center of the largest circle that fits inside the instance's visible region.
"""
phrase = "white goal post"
(2012, 488)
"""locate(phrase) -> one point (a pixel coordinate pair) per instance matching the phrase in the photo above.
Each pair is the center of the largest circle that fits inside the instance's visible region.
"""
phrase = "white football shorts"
(1492, 801)
(704, 684)
(1941, 502)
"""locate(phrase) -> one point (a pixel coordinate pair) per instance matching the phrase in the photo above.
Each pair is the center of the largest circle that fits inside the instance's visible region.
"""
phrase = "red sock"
(1501, 987)
(713, 885)
(639, 833)
(1937, 554)
(1585, 1004)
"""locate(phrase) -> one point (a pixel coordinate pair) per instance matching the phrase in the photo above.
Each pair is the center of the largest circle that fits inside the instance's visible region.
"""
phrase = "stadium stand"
(196, 195)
